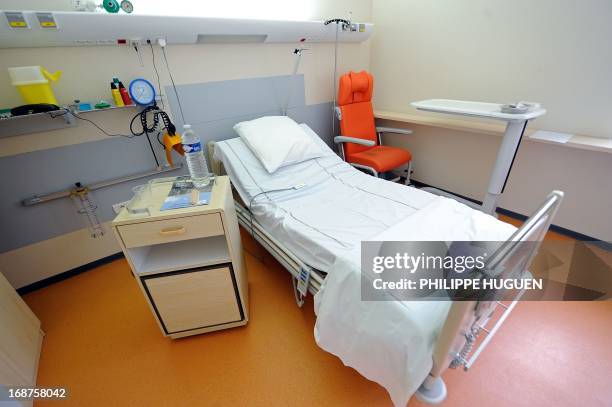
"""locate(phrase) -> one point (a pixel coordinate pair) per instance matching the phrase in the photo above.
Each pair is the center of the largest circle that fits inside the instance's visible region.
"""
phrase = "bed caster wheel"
(432, 391)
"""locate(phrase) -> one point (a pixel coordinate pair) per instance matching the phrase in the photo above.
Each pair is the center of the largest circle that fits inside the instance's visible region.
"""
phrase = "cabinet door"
(19, 338)
(194, 299)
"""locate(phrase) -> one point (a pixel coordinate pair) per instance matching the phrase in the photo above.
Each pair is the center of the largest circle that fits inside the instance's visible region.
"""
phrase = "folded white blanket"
(391, 342)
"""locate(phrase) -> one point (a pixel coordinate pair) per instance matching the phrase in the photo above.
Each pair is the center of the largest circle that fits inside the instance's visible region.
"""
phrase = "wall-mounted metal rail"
(97, 185)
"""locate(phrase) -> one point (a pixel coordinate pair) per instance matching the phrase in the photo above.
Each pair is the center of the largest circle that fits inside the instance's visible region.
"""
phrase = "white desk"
(516, 123)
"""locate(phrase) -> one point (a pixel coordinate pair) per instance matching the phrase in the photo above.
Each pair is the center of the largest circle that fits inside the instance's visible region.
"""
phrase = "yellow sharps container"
(34, 84)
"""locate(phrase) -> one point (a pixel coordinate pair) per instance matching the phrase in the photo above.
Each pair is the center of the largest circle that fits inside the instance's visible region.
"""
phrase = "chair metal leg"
(407, 181)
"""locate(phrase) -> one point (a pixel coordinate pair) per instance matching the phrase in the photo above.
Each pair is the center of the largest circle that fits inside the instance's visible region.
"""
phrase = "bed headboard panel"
(213, 108)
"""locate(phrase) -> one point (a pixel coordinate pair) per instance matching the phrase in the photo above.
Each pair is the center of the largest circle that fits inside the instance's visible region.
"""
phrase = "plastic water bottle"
(198, 170)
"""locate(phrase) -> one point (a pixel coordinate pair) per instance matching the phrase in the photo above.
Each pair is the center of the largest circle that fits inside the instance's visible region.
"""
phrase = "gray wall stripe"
(221, 100)
(39, 172)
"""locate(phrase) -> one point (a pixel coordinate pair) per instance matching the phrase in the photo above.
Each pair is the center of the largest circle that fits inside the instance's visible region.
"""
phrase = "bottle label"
(192, 148)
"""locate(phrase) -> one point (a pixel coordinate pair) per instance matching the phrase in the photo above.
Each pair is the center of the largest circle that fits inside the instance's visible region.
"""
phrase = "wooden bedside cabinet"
(188, 262)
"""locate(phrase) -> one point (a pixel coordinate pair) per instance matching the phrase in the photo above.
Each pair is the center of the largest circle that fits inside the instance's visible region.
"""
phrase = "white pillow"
(277, 141)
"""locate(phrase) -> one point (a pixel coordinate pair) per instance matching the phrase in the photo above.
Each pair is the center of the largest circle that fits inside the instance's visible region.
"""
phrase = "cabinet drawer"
(171, 230)
(194, 299)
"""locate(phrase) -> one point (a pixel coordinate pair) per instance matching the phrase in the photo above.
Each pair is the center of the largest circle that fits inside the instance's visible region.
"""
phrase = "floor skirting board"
(67, 274)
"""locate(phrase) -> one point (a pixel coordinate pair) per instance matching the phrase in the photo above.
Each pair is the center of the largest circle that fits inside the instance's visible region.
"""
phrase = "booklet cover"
(183, 195)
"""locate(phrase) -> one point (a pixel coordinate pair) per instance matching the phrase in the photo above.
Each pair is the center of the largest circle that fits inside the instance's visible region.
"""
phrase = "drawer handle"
(173, 231)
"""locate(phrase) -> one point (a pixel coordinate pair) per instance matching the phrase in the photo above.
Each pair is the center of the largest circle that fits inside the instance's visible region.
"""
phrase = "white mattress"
(337, 208)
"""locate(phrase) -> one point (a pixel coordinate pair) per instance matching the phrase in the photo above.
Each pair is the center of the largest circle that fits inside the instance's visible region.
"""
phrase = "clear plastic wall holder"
(138, 205)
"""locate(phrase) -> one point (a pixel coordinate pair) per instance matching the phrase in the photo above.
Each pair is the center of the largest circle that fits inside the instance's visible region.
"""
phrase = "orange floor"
(103, 344)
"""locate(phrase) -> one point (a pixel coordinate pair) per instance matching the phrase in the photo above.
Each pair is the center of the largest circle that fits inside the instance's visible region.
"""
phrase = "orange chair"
(359, 138)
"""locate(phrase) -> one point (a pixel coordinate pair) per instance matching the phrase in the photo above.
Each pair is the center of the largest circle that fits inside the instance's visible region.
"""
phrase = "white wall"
(87, 75)
(462, 162)
(553, 51)
(556, 52)
(87, 72)
(88, 69)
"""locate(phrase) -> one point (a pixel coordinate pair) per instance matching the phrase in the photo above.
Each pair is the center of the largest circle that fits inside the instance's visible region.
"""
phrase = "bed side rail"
(511, 260)
(467, 319)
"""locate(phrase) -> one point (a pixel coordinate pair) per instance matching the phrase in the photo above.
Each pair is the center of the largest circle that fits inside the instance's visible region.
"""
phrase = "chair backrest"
(355, 103)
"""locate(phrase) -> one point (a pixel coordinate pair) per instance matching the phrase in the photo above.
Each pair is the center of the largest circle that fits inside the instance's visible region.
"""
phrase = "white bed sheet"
(392, 342)
(331, 214)
(324, 222)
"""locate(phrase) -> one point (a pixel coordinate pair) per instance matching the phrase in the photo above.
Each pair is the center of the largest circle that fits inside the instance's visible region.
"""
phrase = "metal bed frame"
(466, 319)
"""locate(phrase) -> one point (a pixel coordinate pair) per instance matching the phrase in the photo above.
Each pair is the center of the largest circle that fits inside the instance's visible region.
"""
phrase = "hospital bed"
(309, 214)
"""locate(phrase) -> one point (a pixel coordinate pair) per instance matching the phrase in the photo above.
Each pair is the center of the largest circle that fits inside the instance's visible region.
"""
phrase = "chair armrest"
(343, 139)
(392, 130)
